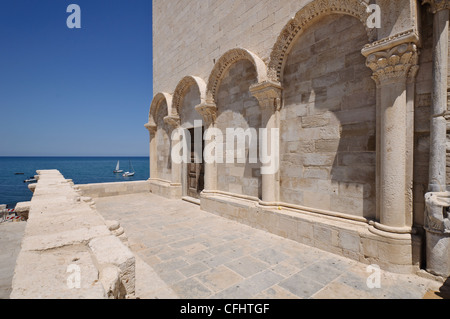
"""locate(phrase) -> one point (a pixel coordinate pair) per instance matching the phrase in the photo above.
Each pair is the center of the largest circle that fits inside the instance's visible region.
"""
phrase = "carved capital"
(208, 111)
(395, 64)
(268, 94)
(172, 120)
(437, 5)
(151, 127)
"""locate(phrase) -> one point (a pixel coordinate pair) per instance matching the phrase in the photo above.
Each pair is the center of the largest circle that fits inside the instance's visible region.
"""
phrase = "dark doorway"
(195, 171)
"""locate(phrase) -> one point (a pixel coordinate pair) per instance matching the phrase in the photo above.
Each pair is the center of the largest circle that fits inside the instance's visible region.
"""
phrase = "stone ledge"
(348, 238)
(66, 237)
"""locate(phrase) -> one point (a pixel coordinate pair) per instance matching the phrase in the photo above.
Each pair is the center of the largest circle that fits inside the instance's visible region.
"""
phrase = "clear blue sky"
(75, 92)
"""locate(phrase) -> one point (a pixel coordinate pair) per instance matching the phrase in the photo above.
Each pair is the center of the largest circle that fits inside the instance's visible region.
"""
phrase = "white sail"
(117, 166)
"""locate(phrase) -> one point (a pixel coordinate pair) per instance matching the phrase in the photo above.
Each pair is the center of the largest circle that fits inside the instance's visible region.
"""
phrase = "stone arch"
(182, 88)
(156, 102)
(228, 59)
(305, 17)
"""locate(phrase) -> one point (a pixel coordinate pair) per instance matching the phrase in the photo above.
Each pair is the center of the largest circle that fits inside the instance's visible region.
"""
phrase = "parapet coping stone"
(64, 233)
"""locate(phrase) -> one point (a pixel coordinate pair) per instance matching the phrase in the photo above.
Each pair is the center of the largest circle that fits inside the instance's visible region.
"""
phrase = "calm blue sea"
(82, 170)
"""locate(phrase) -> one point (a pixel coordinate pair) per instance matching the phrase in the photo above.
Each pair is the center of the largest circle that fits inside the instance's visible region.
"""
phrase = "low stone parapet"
(63, 250)
(113, 189)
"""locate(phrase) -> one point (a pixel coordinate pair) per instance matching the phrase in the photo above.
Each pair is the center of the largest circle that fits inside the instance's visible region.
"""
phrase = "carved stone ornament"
(394, 64)
(306, 16)
(181, 89)
(208, 111)
(225, 61)
(151, 127)
(268, 94)
(436, 213)
(437, 5)
(172, 120)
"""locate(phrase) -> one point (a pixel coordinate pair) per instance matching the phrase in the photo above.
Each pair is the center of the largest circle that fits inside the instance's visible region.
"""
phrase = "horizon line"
(74, 155)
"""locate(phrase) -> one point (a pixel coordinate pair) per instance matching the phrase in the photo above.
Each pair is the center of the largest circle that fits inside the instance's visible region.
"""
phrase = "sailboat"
(130, 172)
(118, 170)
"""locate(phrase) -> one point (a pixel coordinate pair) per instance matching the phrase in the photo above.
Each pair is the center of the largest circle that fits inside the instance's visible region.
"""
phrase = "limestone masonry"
(361, 111)
(68, 249)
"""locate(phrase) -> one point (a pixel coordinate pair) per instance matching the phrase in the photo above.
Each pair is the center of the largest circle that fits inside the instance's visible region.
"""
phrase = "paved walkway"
(184, 252)
(11, 234)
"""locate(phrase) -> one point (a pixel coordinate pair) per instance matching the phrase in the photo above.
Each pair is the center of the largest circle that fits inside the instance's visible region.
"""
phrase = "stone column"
(394, 64)
(437, 224)
(151, 127)
(174, 123)
(268, 94)
(208, 111)
(437, 173)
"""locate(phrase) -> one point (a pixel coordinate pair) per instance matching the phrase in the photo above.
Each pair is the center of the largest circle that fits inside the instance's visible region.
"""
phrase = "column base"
(438, 253)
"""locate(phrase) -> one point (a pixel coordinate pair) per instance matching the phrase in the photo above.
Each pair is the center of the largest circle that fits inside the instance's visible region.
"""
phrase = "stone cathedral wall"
(353, 115)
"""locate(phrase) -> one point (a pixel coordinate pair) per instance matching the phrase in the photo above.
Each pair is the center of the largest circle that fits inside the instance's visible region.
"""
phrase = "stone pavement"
(11, 234)
(184, 252)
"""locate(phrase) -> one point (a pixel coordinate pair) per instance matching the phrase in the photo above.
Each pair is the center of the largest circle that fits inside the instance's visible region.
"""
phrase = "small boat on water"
(118, 170)
(30, 180)
(130, 172)
(19, 173)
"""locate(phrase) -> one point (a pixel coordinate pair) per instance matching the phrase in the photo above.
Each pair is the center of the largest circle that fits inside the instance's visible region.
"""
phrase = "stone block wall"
(327, 126)
(190, 36)
(237, 108)
(187, 111)
(164, 144)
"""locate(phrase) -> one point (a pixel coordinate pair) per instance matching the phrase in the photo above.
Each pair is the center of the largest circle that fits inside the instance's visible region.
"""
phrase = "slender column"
(174, 123)
(437, 201)
(437, 174)
(151, 127)
(393, 66)
(209, 114)
(268, 95)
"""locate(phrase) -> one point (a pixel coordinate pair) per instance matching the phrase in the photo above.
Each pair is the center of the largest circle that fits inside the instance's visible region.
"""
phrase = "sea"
(82, 170)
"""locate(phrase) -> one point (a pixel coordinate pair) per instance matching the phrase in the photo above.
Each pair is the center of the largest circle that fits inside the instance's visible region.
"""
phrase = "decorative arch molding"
(156, 102)
(307, 16)
(182, 88)
(226, 60)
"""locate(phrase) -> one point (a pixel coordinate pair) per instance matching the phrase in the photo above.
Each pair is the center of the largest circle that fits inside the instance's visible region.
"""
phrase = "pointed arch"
(183, 87)
(305, 17)
(156, 102)
(228, 59)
